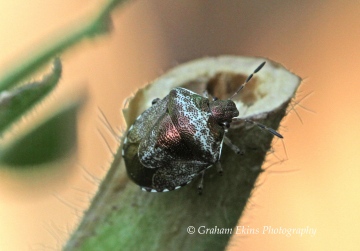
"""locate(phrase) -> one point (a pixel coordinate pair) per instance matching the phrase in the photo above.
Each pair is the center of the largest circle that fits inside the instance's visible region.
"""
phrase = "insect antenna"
(248, 79)
(270, 130)
(261, 126)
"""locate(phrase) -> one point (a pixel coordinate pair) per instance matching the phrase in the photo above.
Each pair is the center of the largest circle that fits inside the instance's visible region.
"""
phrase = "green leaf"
(14, 103)
(52, 139)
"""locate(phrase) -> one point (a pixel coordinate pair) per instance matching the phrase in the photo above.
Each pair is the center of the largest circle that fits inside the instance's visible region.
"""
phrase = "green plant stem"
(101, 23)
(122, 217)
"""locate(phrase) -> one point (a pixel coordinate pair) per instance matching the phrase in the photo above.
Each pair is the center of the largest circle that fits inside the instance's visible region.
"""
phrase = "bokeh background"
(317, 186)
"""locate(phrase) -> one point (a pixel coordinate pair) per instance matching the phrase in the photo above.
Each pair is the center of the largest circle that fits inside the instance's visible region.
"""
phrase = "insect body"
(178, 138)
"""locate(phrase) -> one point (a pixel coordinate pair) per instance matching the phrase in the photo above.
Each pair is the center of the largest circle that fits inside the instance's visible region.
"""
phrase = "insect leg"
(201, 183)
(219, 168)
(205, 94)
(233, 147)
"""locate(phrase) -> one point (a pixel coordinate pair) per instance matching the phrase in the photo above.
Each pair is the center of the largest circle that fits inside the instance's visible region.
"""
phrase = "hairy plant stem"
(122, 217)
(97, 25)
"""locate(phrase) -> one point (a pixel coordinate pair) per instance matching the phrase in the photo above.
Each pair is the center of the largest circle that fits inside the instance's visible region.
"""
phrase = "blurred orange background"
(318, 40)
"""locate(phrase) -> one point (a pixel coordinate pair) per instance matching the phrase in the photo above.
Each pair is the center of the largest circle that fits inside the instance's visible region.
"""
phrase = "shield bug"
(179, 137)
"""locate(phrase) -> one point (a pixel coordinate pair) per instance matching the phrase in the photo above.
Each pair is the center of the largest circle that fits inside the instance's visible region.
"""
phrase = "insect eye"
(215, 98)
(227, 124)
